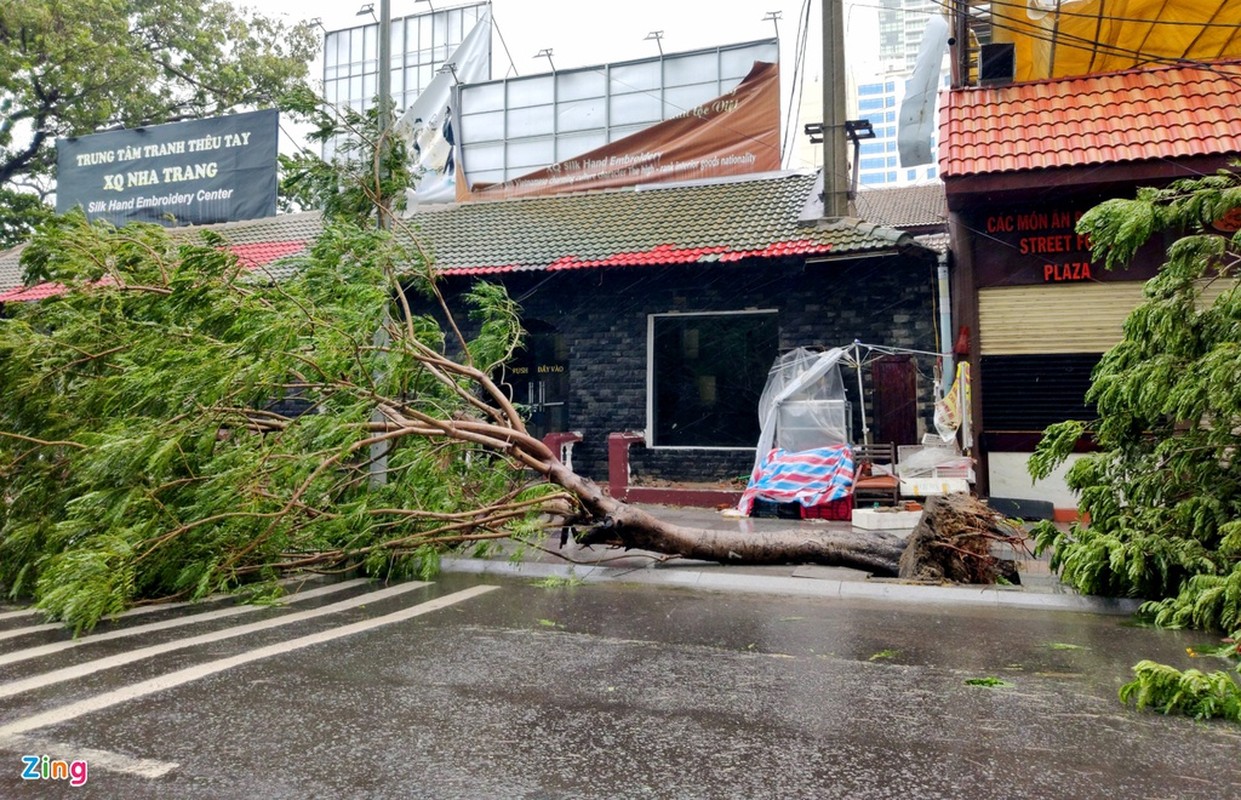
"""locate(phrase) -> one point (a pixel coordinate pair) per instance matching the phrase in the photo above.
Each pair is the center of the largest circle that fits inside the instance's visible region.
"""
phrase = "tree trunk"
(951, 542)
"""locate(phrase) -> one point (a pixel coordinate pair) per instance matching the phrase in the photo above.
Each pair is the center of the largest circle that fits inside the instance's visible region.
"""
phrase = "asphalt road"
(496, 687)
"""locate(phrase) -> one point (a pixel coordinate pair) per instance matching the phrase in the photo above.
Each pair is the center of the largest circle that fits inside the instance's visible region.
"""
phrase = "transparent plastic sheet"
(803, 405)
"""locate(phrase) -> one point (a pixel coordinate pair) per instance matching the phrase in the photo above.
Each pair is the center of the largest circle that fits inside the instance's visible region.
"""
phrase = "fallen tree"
(174, 425)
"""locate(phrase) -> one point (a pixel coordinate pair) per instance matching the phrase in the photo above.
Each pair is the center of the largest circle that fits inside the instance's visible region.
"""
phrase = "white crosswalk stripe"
(31, 611)
(177, 622)
(180, 677)
(98, 759)
(90, 667)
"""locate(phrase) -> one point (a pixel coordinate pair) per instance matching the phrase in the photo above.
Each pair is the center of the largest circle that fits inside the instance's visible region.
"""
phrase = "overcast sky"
(582, 33)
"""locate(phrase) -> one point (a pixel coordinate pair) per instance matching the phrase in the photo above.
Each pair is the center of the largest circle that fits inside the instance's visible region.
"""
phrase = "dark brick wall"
(603, 313)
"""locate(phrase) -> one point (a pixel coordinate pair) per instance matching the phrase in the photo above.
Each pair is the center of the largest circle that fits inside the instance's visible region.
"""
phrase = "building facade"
(660, 310)
(1021, 163)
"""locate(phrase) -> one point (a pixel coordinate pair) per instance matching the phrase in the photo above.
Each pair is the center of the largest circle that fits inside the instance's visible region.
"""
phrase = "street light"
(657, 36)
(775, 18)
(369, 8)
(546, 53)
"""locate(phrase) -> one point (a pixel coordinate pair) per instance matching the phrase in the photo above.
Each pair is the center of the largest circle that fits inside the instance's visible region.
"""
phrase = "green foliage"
(1192, 692)
(173, 428)
(70, 68)
(988, 682)
(20, 212)
(559, 582)
(1163, 493)
(498, 316)
(369, 168)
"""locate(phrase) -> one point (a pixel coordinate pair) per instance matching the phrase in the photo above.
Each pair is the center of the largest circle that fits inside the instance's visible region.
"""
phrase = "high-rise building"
(882, 85)
(901, 24)
(879, 163)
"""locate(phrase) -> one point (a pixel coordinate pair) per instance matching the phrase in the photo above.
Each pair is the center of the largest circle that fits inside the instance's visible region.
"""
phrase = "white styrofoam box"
(922, 487)
(885, 519)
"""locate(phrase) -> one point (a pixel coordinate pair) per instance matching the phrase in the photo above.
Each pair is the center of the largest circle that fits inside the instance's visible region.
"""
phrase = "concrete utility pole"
(379, 451)
(385, 62)
(385, 90)
(835, 110)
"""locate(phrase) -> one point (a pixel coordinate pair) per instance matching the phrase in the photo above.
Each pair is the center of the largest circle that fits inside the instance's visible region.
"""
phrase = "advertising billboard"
(544, 133)
(735, 134)
(182, 173)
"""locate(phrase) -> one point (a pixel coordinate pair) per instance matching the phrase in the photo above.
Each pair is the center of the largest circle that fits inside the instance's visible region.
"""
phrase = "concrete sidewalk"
(1038, 589)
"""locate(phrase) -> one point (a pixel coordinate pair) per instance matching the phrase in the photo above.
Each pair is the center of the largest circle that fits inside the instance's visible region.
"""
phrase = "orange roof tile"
(1137, 115)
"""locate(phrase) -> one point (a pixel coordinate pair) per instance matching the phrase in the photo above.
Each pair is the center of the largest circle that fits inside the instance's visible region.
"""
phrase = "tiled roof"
(720, 221)
(922, 205)
(1136, 115)
(259, 244)
(40, 291)
(11, 268)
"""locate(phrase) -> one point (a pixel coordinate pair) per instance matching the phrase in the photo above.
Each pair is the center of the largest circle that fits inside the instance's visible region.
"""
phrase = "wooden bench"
(871, 485)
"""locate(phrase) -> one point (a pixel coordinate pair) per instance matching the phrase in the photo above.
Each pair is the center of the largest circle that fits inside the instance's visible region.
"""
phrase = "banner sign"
(1026, 245)
(427, 124)
(183, 173)
(735, 134)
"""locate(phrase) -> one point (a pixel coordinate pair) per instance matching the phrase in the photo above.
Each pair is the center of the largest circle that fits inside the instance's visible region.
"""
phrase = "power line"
(795, 90)
(1064, 12)
(1139, 57)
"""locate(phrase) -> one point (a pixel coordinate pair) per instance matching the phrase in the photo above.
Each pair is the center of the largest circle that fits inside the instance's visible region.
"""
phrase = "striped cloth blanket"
(809, 477)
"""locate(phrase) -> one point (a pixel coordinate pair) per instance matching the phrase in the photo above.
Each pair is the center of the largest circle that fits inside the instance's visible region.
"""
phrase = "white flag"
(426, 125)
(917, 117)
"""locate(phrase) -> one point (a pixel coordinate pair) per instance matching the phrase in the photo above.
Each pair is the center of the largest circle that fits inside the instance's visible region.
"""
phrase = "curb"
(719, 581)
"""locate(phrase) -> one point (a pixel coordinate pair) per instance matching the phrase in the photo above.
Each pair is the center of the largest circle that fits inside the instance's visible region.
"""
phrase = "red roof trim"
(251, 256)
(259, 254)
(27, 294)
(658, 255)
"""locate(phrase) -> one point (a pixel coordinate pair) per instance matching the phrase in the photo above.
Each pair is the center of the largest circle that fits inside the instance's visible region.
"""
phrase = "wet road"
(493, 687)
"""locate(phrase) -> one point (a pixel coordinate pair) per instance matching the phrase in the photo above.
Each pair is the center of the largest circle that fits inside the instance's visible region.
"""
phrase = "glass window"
(707, 373)
(870, 104)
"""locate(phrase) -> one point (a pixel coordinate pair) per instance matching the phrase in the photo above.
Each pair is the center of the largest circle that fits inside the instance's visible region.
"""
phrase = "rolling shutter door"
(1059, 318)
(1039, 344)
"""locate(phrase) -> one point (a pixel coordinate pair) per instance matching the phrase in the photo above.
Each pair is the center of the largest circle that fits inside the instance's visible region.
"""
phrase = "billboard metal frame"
(510, 127)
